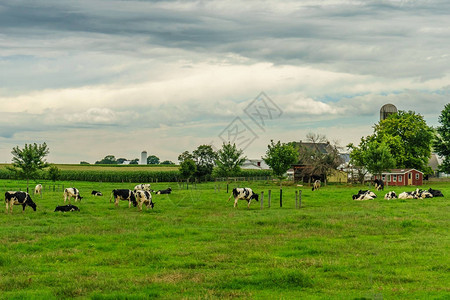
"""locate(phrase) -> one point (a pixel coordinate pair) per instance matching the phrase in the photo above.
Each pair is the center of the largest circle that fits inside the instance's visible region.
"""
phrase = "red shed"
(402, 177)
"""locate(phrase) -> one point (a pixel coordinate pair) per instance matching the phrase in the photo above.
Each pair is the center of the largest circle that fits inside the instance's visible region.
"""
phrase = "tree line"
(403, 140)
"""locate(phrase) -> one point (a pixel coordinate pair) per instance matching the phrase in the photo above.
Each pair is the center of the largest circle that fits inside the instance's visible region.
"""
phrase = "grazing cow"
(18, 198)
(96, 193)
(38, 189)
(144, 197)
(166, 191)
(379, 184)
(364, 195)
(391, 195)
(435, 193)
(123, 194)
(244, 194)
(316, 185)
(72, 192)
(68, 207)
(142, 187)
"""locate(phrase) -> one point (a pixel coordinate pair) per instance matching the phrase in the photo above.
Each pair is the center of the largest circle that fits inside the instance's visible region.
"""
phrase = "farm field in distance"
(194, 244)
(119, 168)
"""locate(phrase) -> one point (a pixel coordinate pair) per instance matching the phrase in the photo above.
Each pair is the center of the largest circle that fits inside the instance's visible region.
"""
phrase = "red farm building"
(401, 177)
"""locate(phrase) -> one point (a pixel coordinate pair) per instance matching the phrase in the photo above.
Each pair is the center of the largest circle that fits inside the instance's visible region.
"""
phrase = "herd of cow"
(141, 195)
(379, 185)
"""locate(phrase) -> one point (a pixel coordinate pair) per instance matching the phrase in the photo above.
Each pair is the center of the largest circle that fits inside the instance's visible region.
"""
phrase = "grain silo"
(386, 110)
(143, 158)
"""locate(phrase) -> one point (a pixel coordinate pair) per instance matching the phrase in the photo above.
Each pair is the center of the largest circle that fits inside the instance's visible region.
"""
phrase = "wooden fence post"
(262, 200)
(300, 199)
(270, 196)
(296, 199)
(281, 197)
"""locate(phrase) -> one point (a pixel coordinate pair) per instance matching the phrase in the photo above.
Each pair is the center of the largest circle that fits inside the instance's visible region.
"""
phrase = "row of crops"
(125, 176)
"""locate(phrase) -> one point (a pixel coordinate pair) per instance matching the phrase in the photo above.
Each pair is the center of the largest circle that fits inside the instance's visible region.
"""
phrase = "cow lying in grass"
(243, 194)
(68, 207)
(391, 195)
(364, 195)
(417, 194)
(18, 198)
(96, 193)
(166, 191)
(123, 194)
(142, 187)
(435, 193)
(72, 192)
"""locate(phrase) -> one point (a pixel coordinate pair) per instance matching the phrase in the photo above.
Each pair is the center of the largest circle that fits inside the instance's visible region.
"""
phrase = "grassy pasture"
(194, 244)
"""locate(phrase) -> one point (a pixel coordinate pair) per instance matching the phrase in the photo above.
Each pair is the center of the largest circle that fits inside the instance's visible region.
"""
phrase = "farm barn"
(401, 177)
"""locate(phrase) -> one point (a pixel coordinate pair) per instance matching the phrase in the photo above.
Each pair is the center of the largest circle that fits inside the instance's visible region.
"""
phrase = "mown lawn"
(194, 244)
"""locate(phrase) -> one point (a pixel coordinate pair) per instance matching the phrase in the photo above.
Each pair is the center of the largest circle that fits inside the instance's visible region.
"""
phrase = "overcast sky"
(92, 78)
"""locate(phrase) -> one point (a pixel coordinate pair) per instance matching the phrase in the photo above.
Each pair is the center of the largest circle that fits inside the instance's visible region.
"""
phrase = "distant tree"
(229, 160)
(167, 162)
(280, 157)
(442, 141)
(29, 160)
(408, 138)
(53, 173)
(121, 160)
(184, 156)
(187, 169)
(204, 157)
(134, 161)
(108, 160)
(84, 163)
(153, 160)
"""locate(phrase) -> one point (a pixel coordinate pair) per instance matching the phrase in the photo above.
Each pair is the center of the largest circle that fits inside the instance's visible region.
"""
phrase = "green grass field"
(195, 245)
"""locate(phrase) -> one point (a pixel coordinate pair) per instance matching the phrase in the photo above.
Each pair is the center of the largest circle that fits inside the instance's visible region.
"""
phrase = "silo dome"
(386, 110)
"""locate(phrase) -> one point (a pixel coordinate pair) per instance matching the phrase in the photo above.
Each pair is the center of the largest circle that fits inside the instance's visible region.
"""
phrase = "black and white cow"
(407, 195)
(38, 189)
(18, 198)
(435, 193)
(123, 194)
(144, 197)
(142, 187)
(390, 195)
(379, 184)
(96, 193)
(244, 194)
(166, 191)
(316, 185)
(364, 195)
(72, 192)
(68, 207)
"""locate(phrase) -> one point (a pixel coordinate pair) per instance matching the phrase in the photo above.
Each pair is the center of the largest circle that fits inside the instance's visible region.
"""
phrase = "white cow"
(72, 192)
(316, 185)
(38, 189)
(391, 195)
(142, 187)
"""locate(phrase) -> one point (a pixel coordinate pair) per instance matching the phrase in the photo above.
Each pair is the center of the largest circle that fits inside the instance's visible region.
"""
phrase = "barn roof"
(400, 171)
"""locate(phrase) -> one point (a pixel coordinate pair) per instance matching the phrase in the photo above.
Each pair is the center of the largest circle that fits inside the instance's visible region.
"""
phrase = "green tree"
(442, 142)
(184, 156)
(229, 160)
(84, 163)
(134, 161)
(204, 157)
(409, 139)
(29, 160)
(187, 169)
(167, 162)
(153, 160)
(121, 160)
(280, 157)
(53, 173)
(108, 160)
(378, 157)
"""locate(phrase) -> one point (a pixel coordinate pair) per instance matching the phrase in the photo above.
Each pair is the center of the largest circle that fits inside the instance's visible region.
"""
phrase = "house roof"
(400, 171)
